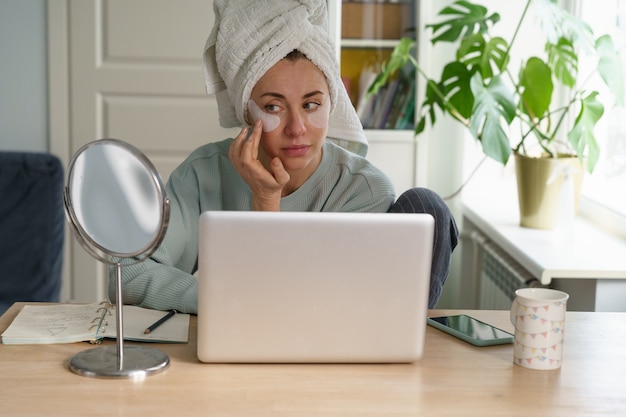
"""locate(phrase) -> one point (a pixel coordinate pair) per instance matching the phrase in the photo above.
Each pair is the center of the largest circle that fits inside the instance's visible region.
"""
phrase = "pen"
(160, 321)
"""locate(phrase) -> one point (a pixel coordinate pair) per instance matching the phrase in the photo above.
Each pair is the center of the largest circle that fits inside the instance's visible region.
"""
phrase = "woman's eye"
(311, 105)
(271, 108)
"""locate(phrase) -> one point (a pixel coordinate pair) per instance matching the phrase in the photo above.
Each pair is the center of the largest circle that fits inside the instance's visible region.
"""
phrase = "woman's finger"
(250, 150)
(234, 152)
(279, 172)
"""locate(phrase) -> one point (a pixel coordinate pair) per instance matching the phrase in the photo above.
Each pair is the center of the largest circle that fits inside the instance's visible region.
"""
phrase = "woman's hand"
(266, 184)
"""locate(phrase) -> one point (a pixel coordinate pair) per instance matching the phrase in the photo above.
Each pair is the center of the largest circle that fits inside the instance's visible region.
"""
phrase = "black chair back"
(32, 227)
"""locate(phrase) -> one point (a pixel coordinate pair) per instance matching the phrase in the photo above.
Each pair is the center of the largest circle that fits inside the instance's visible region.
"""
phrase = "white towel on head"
(251, 36)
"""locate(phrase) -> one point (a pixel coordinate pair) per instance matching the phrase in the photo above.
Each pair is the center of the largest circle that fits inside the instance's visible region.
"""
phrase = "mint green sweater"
(206, 180)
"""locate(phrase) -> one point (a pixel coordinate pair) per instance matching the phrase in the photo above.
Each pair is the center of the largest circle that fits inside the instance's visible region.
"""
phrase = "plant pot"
(539, 198)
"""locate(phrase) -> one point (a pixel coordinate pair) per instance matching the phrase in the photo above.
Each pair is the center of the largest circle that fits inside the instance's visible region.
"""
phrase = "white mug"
(538, 315)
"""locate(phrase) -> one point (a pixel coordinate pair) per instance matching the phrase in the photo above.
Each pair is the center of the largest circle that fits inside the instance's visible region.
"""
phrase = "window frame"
(599, 211)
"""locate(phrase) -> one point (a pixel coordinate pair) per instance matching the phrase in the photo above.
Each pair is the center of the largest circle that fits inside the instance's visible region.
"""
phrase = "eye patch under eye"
(270, 121)
(319, 118)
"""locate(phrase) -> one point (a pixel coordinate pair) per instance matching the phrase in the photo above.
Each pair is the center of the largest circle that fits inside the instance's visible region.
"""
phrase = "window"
(606, 187)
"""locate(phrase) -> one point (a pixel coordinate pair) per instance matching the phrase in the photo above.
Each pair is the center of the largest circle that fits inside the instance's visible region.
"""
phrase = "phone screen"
(472, 330)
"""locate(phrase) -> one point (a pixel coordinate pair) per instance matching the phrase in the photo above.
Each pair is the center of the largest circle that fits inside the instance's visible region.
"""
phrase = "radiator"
(500, 275)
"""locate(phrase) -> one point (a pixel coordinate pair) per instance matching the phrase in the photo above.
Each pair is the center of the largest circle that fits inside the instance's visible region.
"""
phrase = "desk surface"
(452, 379)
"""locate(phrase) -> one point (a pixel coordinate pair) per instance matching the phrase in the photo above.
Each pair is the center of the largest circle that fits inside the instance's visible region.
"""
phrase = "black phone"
(471, 330)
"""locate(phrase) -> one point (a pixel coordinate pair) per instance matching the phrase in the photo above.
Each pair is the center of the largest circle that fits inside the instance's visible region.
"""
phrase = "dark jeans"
(422, 200)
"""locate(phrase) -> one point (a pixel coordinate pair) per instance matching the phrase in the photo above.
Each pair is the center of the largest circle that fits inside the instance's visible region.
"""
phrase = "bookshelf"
(366, 32)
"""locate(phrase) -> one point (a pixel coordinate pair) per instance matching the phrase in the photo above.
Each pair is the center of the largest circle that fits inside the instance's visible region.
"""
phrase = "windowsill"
(602, 217)
(590, 251)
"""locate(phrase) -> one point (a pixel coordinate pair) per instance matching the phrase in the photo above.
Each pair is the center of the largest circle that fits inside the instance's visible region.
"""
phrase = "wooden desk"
(453, 379)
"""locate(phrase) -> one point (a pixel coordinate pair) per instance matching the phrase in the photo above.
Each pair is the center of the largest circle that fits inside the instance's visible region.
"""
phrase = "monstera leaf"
(494, 103)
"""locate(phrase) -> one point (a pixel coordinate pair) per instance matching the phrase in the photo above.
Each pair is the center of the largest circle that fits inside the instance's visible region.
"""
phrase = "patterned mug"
(538, 315)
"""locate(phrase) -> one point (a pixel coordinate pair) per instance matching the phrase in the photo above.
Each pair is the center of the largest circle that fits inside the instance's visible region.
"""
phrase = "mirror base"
(102, 362)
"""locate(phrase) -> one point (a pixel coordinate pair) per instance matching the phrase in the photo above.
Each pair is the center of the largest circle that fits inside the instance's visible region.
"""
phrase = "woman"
(290, 109)
(275, 72)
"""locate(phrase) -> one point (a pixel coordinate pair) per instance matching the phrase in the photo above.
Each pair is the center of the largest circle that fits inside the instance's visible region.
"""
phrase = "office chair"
(32, 227)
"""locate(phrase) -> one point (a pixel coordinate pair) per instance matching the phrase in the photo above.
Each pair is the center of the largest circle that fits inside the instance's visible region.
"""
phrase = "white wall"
(23, 76)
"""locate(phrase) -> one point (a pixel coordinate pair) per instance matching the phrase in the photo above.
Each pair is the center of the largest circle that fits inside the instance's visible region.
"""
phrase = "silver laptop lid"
(313, 287)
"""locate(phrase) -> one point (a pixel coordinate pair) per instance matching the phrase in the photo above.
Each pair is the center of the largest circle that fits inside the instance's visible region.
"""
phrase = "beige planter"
(538, 200)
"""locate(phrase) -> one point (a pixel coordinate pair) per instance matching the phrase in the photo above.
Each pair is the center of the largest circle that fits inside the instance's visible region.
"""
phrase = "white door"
(132, 72)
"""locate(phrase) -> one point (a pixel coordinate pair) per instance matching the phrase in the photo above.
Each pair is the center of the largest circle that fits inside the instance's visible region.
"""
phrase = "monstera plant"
(544, 101)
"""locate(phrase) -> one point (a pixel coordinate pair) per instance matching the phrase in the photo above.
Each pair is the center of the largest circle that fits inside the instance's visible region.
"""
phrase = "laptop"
(303, 287)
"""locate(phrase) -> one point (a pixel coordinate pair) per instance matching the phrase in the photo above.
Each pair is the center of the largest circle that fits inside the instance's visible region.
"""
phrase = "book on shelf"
(366, 102)
(404, 118)
(392, 107)
(71, 323)
(386, 102)
(377, 110)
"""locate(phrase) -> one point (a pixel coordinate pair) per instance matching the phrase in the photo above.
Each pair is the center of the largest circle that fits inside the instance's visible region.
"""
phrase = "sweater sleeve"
(165, 280)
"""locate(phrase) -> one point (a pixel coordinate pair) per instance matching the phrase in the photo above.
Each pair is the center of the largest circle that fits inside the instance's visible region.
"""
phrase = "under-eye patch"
(270, 121)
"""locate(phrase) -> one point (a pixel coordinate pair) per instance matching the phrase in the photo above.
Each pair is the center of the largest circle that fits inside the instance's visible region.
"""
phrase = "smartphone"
(471, 330)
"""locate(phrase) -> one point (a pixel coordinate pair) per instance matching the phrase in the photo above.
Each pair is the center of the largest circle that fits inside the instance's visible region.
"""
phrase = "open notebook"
(70, 323)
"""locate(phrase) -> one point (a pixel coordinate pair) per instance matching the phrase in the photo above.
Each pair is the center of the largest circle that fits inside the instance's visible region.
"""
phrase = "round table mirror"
(117, 207)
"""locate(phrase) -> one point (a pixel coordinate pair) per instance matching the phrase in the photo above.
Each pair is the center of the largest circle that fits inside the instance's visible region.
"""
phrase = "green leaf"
(400, 56)
(455, 87)
(432, 101)
(610, 68)
(467, 19)
(420, 126)
(536, 84)
(489, 57)
(452, 95)
(581, 136)
(495, 141)
(563, 61)
(493, 102)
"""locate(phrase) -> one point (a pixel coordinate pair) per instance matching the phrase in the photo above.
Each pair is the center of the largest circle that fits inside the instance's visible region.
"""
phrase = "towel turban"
(250, 36)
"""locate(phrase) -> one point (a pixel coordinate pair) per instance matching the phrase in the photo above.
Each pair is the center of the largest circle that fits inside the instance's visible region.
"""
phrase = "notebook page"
(138, 319)
(60, 323)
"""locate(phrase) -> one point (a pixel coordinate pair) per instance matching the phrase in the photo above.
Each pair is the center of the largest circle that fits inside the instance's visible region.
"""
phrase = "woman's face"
(293, 101)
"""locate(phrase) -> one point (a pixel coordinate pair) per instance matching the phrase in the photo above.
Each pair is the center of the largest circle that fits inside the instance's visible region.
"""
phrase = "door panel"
(155, 30)
(136, 75)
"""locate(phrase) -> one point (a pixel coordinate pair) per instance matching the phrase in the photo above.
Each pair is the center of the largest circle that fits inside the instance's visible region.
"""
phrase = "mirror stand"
(134, 362)
(117, 208)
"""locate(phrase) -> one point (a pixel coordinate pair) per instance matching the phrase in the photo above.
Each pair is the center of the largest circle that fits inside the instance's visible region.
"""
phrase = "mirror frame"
(90, 245)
